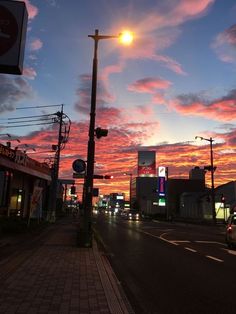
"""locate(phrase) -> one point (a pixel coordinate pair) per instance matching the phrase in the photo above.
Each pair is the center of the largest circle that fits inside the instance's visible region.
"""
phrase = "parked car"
(231, 231)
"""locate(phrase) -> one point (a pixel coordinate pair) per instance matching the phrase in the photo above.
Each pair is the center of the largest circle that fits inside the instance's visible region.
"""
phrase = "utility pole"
(55, 169)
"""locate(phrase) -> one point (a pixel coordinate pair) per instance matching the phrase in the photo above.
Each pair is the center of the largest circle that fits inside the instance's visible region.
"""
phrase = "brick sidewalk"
(59, 277)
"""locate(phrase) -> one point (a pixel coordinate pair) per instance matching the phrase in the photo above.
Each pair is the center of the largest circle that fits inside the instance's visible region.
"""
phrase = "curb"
(116, 298)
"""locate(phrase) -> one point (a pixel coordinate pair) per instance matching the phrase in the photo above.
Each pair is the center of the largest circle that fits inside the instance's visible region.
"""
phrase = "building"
(144, 195)
(24, 184)
(226, 193)
(175, 188)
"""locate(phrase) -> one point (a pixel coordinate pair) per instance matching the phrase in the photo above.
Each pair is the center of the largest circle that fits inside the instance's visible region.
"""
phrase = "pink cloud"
(158, 98)
(32, 9)
(149, 85)
(36, 44)
(30, 73)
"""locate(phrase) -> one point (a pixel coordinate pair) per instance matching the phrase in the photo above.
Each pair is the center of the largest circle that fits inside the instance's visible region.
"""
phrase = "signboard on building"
(13, 26)
(162, 171)
(161, 186)
(146, 163)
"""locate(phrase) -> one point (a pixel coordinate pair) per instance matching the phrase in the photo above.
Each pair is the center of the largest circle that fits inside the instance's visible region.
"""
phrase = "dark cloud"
(12, 91)
(230, 35)
(222, 109)
(84, 94)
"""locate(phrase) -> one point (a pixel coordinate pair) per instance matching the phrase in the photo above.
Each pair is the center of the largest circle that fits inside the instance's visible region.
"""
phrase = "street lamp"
(130, 187)
(87, 228)
(212, 169)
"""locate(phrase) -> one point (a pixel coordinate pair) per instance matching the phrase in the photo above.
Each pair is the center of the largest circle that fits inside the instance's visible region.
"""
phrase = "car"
(133, 214)
(231, 231)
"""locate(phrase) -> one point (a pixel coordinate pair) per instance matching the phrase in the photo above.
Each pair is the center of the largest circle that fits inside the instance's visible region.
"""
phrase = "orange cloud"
(117, 154)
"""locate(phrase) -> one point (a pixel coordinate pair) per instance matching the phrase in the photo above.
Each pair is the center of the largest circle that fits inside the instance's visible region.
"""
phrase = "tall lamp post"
(212, 176)
(87, 228)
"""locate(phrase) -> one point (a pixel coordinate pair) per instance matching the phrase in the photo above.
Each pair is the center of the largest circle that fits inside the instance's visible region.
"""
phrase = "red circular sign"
(8, 30)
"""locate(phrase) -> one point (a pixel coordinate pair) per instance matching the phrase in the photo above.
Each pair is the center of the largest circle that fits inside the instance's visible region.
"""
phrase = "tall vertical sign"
(162, 186)
(13, 25)
(146, 163)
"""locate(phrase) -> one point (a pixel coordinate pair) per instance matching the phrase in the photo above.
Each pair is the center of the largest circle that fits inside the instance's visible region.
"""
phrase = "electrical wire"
(33, 120)
(18, 126)
(37, 107)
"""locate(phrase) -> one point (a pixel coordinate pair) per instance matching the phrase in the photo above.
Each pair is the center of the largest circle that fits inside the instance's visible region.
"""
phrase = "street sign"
(79, 165)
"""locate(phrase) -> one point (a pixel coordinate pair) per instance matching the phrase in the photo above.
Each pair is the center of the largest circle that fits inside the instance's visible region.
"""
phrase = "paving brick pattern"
(58, 277)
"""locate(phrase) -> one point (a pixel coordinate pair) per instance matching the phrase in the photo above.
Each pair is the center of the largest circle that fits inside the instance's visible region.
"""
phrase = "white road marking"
(163, 239)
(230, 251)
(189, 249)
(215, 258)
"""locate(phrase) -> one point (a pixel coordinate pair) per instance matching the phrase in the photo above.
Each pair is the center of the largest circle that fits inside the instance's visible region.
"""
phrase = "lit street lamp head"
(126, 37)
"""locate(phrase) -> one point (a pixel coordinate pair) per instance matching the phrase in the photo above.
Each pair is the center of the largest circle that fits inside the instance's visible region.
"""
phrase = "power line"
(17, 126)
(26, 117)
(37, 107)
(12, 122)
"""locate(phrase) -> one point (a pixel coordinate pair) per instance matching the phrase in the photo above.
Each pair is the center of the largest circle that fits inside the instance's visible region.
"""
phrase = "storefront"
(20, 178)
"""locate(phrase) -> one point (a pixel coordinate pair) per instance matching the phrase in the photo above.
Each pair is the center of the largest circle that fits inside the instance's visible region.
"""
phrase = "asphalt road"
(170, 267)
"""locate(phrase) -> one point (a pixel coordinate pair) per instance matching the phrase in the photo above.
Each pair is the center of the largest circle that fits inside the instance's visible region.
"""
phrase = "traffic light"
(72, 189)
(209, 168)
(101, 132)
(108, 177)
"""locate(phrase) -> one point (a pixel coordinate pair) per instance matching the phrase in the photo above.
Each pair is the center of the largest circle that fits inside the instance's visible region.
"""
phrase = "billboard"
(146, 164)
(13, 25)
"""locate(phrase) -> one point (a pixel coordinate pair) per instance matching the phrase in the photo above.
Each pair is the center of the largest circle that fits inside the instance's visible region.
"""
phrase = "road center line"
(189, 249)
(215, 258)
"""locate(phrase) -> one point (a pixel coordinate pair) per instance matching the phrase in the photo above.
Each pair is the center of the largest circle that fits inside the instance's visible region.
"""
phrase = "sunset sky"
(177, 80)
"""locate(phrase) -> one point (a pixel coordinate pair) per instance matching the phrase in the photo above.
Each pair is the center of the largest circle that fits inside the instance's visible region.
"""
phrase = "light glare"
(126, 37)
